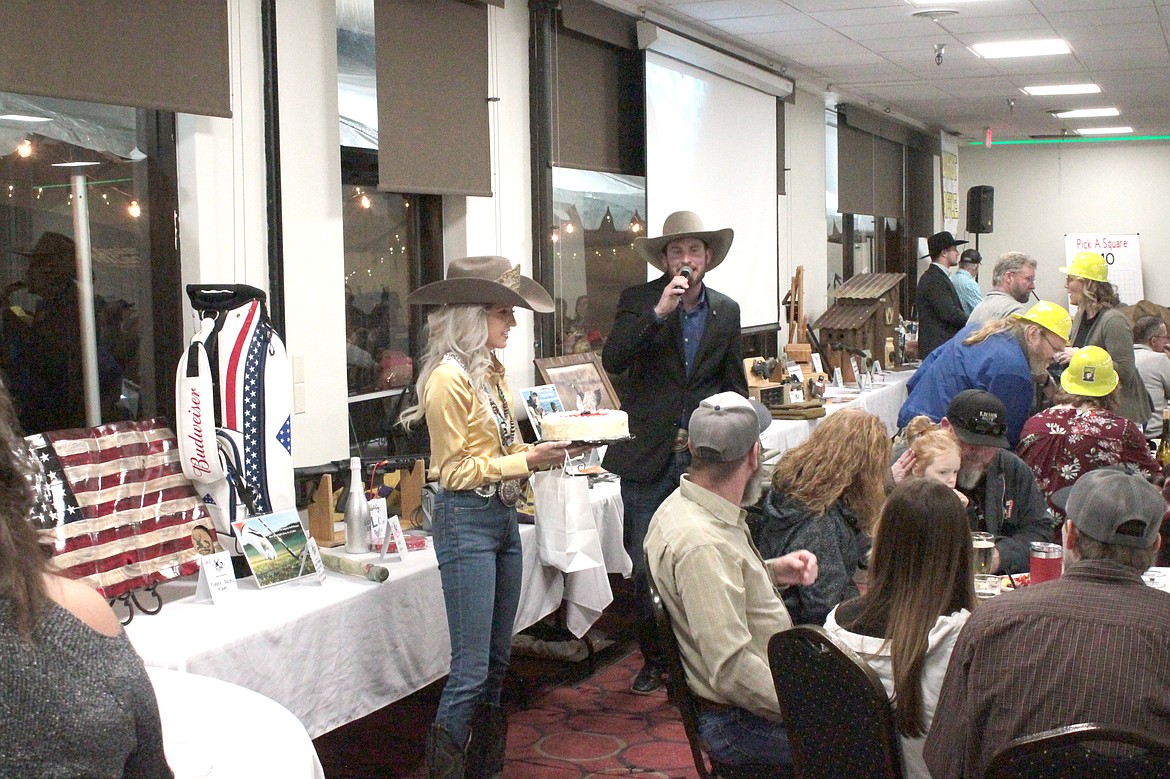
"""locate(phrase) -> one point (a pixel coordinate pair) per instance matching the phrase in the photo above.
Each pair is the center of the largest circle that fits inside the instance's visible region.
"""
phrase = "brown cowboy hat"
(684, 224)
(486, 280)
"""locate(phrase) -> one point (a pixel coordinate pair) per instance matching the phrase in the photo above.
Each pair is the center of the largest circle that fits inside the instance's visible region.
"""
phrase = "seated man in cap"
(720, 594)
(966, 280)
(674, 342)
(940, 313)
(1003, 357)
(1092, 646)
(1003, 497)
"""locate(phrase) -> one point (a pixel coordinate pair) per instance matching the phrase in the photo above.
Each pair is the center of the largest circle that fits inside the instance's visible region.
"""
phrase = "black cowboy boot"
(489, 740)
(444, 759)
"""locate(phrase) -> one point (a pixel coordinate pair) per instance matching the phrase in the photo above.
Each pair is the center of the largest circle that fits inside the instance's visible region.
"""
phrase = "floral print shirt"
(1063, 442)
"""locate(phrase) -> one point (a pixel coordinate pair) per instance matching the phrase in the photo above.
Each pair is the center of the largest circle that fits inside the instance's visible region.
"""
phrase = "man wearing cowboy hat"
(940, 314)
(674, 342)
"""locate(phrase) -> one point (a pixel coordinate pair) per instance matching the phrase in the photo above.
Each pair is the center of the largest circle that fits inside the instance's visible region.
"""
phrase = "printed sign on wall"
(1122, 255)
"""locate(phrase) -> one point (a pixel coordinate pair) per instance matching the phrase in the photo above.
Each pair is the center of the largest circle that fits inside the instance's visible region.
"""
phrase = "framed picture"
(581, 382)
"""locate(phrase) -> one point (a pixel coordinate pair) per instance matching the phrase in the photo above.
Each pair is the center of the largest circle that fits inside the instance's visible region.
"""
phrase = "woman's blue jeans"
(477, 543)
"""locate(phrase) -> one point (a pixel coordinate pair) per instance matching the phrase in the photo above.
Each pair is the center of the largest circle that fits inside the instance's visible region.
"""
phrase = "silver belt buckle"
(486, 491)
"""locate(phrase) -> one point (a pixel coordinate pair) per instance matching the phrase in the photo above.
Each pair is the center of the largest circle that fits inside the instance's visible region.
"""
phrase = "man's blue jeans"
(477, 543)
(640, 499)
(736, 736)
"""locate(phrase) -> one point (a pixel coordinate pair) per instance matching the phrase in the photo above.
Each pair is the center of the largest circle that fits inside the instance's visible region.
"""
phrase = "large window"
(87, 193)
(598, 217)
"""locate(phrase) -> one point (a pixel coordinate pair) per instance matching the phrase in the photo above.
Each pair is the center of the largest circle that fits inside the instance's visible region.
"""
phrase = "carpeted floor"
(566, 719)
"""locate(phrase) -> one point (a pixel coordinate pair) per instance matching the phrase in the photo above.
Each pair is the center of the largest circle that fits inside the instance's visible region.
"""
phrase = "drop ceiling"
(878, 53)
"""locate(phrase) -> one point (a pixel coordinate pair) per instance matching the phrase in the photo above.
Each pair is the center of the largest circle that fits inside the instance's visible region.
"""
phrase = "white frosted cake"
(603, 425)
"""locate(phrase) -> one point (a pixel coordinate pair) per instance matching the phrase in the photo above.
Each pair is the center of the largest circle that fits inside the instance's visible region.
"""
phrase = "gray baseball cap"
(1114, 506)
(724, 426)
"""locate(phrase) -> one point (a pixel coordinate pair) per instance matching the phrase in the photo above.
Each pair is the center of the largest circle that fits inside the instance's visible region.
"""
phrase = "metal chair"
(679, 693)
(838, 716)
(1085, 751)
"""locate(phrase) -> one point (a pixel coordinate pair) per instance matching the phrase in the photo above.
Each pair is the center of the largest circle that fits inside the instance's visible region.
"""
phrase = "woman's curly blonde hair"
(845, 459)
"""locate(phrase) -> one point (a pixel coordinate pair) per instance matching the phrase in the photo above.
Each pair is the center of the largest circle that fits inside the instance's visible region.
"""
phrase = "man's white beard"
(968, 478)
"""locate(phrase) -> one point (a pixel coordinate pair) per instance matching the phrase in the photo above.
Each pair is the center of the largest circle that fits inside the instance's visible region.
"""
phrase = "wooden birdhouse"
(864, 315)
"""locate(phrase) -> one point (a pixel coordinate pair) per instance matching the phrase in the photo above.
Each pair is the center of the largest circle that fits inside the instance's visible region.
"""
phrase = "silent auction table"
(274, 742)
(884, 401)
(334, 652)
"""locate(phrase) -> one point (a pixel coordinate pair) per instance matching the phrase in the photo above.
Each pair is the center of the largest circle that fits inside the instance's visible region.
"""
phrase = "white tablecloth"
(196, 712)
(336, 652)
(884, 401)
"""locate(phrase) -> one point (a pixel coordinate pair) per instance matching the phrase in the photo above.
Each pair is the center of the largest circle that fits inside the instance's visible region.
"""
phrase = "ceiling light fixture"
(1104, 130)
(934, 14)
(1073, 139)
(1063, 89)
(78, 164)
(24, 118)
(1004, 49)
(1086, 113)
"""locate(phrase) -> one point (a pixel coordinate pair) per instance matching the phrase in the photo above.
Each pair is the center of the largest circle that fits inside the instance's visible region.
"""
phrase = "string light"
(365, 201)
(24, 148)
(134, 209)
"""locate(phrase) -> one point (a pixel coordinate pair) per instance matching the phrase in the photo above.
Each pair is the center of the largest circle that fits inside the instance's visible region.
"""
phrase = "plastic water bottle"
(357, 511)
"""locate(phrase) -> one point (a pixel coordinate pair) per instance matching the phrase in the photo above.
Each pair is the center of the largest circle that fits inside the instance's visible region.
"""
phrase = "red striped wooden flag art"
(115, 504)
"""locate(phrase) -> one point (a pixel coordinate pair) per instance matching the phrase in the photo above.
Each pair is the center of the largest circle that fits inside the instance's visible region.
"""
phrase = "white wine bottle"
(357, 511)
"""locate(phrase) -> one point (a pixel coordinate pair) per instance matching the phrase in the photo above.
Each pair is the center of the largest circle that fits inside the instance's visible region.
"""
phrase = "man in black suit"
(940, 314)
(674, 342)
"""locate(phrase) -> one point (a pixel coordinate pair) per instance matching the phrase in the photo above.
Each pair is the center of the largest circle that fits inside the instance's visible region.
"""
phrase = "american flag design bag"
(233, 392)
(115, 505)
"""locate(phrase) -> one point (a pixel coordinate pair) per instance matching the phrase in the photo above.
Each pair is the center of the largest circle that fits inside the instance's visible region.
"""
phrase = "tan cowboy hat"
(684, 224)
(486, 280)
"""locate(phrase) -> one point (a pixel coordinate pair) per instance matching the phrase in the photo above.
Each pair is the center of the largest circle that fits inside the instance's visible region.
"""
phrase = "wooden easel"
(796, 349)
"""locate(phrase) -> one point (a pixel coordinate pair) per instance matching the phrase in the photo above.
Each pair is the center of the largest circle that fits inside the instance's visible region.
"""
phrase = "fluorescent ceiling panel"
(1104, 130)
(1087, 113)
(1063, 89)
(1005, 49)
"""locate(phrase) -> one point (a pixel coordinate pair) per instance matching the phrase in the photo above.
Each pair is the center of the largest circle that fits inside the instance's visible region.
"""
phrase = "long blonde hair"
(845, 459)
(460, 330)
(929, 442)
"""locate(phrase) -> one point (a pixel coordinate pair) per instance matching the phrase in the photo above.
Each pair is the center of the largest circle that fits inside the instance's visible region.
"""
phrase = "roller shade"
(854, 171)
(432, 73)
(169, 55)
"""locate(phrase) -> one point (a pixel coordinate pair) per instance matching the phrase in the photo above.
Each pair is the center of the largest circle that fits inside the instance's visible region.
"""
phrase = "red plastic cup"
(1046, 562)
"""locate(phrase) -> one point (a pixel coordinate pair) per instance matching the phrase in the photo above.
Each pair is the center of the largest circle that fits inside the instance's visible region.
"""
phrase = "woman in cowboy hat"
(480, 461)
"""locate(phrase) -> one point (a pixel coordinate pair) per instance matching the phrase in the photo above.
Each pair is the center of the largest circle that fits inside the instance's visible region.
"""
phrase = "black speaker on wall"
(980, 203)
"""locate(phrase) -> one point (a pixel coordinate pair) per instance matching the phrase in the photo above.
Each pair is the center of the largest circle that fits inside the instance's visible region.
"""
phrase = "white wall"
(1045, 191)
(803, 223)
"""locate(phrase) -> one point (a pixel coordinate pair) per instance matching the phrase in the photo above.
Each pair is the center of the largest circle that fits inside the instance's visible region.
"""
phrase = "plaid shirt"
(1092, 646)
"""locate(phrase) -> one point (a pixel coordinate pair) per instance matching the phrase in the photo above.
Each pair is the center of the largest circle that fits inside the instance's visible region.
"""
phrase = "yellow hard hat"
(1089, 372)
(1050, 316)
(1088, 265)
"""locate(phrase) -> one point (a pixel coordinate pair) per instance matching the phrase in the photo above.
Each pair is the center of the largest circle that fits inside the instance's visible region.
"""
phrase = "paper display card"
(394, 533)
(315, 556)
(217, 582)
(539, 401)
(274, 546)
(377, 523)
(795, 372)
(864, 382)
(856, 369)
(796, 395)
(816, 363)
(838, 379)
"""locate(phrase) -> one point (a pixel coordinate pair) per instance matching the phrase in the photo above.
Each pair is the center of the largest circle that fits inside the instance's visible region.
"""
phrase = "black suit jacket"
(648, 359)
(940, 314)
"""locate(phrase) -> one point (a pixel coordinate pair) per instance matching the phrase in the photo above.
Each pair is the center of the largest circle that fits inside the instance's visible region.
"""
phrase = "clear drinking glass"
(987, 585)
(984, 546)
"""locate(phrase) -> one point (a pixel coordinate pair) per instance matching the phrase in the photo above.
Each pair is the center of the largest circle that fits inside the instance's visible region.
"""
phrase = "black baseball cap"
(978, 418)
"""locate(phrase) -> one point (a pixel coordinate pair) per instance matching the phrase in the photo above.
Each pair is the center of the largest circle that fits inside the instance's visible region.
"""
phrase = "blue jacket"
(997, 365)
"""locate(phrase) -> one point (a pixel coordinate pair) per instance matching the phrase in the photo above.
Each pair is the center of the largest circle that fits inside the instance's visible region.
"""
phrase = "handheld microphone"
(686, 272)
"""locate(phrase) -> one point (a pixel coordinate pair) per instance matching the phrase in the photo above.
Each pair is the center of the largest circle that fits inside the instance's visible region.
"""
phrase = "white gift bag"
(566, 531)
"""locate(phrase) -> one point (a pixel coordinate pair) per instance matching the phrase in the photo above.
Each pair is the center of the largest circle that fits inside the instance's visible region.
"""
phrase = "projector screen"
(711, 149)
